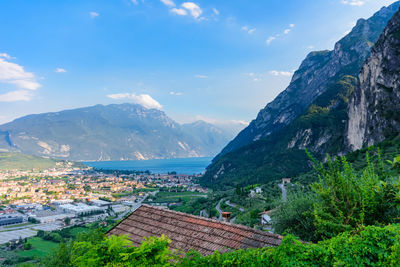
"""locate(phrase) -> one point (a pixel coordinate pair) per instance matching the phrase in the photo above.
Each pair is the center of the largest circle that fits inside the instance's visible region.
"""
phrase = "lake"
(181, 166)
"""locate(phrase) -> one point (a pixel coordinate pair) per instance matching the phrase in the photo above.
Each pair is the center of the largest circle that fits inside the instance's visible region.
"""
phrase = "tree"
(295, 216)
(67, 221)
(347, 199)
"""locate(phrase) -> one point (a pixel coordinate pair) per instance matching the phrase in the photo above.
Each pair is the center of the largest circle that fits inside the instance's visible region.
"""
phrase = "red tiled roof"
(192, 232)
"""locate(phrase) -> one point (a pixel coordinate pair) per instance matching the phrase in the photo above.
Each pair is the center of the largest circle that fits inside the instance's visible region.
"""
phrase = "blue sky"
(215, 60)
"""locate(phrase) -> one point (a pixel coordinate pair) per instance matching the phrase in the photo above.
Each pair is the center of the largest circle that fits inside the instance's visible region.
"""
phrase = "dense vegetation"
(343, 199)
(351, 215)
(370, 246)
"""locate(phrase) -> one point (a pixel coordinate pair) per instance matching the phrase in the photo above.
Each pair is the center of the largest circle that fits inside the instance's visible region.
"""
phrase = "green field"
(40, 248)
(177, 196)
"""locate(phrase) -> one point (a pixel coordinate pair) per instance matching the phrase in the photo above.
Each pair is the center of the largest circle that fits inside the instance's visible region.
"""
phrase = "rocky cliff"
(315, 74)
(374, 109)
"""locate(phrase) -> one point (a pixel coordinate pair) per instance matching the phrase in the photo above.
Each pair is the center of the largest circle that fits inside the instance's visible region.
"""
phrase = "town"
(53, 199)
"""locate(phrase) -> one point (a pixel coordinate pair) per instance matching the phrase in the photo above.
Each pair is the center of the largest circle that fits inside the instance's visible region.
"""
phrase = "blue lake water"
(181, 166)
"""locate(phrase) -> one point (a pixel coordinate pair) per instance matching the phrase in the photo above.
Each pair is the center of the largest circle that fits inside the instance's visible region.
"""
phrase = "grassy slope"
(24, 162)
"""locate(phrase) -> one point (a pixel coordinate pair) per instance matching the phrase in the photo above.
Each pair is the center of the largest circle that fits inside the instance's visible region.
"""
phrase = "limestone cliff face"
(374, 109)
(316, 73)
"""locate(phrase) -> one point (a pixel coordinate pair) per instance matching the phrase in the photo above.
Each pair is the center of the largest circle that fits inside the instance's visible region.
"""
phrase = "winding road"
(284, 193)
(218, 208)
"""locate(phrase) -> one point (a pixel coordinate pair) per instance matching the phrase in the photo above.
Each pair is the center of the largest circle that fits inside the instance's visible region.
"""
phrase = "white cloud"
(281, 73)
(179, 11)
(13, 73)
(248, 30)
(144, 99)
(175, 93)
(18, 95)
(60, 70)
(201, 76)
(134, 2)
(186, 8)
(216, 11)
(193, 9)
(4, 55)
(286, 31)
(93, 14)
(26, 84)
(270, 39)
(168, 2)
(353, 2)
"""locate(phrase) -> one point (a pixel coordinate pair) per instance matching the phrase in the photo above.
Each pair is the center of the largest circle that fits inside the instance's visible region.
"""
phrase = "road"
(218, 208)
(234, 206)
(284, 193)
(204, 213)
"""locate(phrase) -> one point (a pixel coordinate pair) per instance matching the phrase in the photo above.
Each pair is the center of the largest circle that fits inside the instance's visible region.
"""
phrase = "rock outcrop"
(374, 109)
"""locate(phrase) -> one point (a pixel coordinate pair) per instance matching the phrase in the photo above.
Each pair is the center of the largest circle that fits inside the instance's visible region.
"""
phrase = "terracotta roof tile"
(191, 232)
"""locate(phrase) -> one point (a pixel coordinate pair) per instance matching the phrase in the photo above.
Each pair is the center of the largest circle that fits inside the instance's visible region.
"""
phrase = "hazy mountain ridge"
(315, 74)
(113, 132)
(323, 127)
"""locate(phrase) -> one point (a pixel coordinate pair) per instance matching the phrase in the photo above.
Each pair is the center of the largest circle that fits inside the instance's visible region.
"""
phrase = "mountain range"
(112, 132)
(327, 108)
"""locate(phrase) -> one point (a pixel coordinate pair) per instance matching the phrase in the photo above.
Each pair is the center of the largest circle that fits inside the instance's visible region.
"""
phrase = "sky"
(219, 60)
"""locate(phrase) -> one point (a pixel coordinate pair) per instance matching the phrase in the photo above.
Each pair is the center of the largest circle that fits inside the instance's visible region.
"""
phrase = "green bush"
(295, 216)
(347, 199)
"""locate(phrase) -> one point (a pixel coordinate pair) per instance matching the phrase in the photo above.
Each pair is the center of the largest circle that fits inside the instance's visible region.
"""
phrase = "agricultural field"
(40, 248)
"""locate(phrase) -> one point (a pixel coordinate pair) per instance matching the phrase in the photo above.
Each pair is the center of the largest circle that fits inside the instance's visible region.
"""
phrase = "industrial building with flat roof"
(8, 219)
(79, 208)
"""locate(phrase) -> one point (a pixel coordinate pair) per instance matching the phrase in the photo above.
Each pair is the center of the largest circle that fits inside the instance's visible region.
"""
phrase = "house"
(265, 217)
(192, 232)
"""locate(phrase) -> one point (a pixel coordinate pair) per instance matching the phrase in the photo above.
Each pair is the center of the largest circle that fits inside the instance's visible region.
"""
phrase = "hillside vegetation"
(24, 162)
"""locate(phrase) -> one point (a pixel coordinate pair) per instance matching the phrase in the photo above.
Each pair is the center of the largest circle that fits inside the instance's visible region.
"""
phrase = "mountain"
(315, 74)
(374, 110)
(113, 132)
(277, 150)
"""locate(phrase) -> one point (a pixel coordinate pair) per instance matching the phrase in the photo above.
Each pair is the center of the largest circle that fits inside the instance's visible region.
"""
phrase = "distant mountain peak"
(111, 132)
